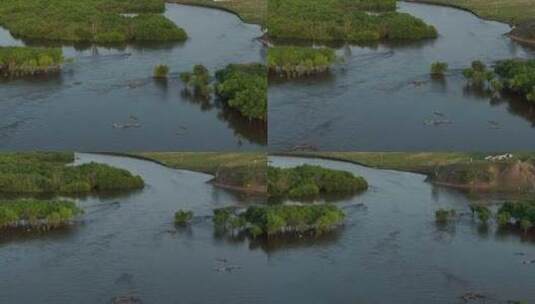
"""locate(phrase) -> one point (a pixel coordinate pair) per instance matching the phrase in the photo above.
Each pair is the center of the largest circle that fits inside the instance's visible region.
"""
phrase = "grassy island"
(292, 62)
(22, 61)
(100, 21)
(280, 219)
(245, 172)
(34, 173)
(243, 87)
(308, 181)
(36, 214)
(343, 20)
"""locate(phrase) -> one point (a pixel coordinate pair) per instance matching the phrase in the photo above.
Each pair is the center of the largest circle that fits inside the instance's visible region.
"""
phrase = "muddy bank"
(524, 32)
(508, 177)
(247, 179)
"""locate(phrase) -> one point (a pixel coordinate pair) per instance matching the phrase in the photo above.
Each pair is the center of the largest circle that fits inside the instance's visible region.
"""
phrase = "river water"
(107, 85)
(380, 97)
(389, 251)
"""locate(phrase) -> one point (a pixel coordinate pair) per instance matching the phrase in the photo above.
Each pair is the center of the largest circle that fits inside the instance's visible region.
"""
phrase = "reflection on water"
(379, 97)
(389, 239)
(105, 85)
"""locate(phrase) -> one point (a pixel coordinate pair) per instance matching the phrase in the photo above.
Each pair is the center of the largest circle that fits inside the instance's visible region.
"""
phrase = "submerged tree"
(161, 71)
(197, 81)
(438, 69)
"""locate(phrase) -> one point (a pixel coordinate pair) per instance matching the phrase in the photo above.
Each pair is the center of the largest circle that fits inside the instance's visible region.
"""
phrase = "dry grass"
(250, 11)
(509, 11)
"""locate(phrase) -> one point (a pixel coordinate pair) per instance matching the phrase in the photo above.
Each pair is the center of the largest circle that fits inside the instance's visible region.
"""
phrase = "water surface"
(107, 85)
(389, 251)
(380, 97)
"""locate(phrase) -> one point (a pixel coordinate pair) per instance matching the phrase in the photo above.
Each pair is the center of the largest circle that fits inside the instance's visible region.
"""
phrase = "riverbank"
(475, 172)
(517, 13)
(242, 172)
(249, 11)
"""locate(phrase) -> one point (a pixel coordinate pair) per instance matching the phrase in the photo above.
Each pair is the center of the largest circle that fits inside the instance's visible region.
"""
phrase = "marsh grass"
(23, 61)
(343, 20)
(98, 21)
(293, 62)
(49, 173)
(37, 214)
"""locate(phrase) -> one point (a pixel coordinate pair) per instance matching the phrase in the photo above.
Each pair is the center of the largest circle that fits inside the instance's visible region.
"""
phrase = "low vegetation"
(438, 69)
(22, 61)
(308, 181)
(161, 71)
(518, 76)
(279, 219)
(343, 20)
(443, 216)
(513, 75)
(250, 11)
(243, 87)
(183, 217)
(33, 173)
(483, 213)
(521, 214)
(99, 21)
(292, 62)
(510, 11)
(240, 171)
(197, 81)
(36, 214)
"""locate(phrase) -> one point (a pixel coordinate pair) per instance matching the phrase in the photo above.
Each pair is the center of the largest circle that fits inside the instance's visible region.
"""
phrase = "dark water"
(389, 251)
(380, 97)
(108, 85)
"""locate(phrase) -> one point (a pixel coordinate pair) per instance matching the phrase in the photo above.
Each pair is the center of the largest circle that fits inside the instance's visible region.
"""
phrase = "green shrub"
(438, 68)
(309, 181)
(21, 61)
(161, 71)
(343, 20)
(183, 217)
(518, 76)
(89, 21)
(51, 173)
(280, 219)
(42, 214)
(299, 61)
(244, 87)
(198, 80)
(443, 216)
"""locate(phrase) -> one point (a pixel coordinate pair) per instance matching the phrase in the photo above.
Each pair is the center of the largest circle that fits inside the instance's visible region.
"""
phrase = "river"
(107, 85)
(389, 250)
(379, 98)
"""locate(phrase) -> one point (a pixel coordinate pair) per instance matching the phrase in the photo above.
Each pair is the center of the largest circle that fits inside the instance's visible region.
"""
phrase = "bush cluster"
(308, 181)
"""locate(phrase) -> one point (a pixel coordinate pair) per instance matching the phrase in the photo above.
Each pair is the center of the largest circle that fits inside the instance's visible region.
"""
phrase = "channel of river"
(389, 250)
(113, 85)
(381, 96)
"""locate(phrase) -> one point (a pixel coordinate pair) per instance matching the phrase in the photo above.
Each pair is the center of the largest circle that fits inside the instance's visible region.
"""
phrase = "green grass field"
(250, 11)
(206, 162)
(509, 11)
